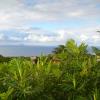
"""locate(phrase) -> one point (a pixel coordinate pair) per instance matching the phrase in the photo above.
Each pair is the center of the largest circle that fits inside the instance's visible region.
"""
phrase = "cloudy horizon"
(49, 22)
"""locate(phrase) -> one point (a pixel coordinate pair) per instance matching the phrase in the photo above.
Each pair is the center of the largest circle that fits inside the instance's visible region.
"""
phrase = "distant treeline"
(7, 59)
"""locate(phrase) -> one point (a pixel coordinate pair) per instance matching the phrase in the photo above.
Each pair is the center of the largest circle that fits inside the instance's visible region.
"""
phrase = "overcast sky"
(49, 22)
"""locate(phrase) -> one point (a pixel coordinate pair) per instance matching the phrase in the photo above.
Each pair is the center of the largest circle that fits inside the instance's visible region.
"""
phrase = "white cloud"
(76, 14)
(43, 37)
(83, 37)
(2, 37)
(87, 35)
(15, 14)
(15, 38)
(40, 35)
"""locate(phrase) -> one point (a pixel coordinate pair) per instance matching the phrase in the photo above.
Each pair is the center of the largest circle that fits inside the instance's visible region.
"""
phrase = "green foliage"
(96, 50)
(76, 77)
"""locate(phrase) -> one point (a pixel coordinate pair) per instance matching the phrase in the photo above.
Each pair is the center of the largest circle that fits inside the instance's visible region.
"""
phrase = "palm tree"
(59, 49)
(96, 50)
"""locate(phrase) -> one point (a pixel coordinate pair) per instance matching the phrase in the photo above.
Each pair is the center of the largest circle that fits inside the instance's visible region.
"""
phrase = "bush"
(76, 77)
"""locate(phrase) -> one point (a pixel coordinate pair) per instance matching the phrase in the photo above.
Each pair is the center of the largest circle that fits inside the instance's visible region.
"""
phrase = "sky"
(49, 22)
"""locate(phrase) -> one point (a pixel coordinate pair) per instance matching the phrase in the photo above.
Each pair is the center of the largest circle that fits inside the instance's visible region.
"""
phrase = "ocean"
(25, 50)
(28, 51)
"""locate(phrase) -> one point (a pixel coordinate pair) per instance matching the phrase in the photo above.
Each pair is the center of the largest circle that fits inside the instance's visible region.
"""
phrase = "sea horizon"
(25, 50)
(28, 50)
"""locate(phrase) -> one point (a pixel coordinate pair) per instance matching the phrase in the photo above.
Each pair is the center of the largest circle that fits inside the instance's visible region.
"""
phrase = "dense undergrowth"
(68, 74)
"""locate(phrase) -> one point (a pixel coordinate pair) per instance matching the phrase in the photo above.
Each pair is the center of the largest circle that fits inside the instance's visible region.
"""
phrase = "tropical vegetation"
(69, 73)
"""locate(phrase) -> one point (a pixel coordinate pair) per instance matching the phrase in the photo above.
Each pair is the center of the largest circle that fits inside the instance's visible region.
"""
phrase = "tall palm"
(59, 49)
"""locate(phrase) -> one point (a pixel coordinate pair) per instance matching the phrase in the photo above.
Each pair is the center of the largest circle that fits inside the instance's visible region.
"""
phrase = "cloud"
(88, 35)
(17, 13)
(2, 37)
(33, 36)
(20, 15)
(83, 37)
(40, 35)
(15, 38)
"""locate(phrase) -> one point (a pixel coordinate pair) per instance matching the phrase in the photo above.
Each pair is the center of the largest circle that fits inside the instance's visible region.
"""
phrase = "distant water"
(25, 50)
